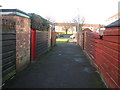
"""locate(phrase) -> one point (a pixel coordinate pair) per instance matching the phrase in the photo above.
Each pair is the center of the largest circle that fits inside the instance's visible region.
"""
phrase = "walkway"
(65, 66)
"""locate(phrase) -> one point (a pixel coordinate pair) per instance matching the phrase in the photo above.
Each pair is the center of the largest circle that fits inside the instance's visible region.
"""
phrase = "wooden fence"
(53, 39)
(8, 49)
(20, 42)
(41, 42)
(104, 52)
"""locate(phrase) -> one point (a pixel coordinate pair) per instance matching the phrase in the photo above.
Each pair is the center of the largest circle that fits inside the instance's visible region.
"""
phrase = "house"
(113, 18)
(72, 29)
(59, 28)
(93, 27)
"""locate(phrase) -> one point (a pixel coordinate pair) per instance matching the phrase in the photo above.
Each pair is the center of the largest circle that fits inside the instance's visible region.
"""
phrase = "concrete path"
(65, 66)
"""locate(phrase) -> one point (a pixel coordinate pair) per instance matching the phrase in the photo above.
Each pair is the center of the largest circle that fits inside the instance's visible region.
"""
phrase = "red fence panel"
(112, 32)
(112, 38)
(105, 53)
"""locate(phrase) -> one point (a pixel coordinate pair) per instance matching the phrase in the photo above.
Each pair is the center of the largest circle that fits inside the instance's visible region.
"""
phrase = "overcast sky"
(94, 11)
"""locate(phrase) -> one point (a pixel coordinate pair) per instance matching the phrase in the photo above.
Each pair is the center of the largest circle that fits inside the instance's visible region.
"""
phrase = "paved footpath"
(65, 66)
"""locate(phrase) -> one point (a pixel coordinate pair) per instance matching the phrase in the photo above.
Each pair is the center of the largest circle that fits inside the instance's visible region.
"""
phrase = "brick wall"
(22, 42)
(22, 31)
(105, 53)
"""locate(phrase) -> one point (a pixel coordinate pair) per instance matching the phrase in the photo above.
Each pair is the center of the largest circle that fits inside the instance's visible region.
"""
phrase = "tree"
(50, 19)
(72, 29)
(66, 26)
(51, 22)
(80, 22)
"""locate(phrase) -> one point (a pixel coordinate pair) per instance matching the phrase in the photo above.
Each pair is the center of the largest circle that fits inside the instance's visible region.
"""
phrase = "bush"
(67, 35)
(38, 23)
(61, 35)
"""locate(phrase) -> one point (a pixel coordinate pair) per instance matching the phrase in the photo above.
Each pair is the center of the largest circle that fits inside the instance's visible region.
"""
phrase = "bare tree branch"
(80, 20)
(66, 26)
(50, 19)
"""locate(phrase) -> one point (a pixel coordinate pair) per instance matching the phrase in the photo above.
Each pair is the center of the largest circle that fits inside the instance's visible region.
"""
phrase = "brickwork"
(22, 41)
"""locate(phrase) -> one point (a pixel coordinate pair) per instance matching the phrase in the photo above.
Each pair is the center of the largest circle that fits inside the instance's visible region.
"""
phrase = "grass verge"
(61, 41)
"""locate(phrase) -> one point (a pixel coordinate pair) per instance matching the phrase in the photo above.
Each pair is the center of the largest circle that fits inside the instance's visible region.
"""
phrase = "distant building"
(59, 28)
(93, 27)
(100, 31)
(72, 29)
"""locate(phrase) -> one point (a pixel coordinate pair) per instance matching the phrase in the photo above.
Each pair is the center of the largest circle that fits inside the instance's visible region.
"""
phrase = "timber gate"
(8, 49)
(41, 42)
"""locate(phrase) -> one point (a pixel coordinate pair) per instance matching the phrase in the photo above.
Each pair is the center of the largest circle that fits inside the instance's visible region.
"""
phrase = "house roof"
(60, 24)
(93, 25)
(14, 12)
(87, 29)
(74, 24)
(114, 24)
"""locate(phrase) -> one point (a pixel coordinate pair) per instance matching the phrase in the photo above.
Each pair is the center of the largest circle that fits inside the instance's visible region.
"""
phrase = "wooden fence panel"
(8, 49)
(105, 54)
(53, 38)
(41, 42)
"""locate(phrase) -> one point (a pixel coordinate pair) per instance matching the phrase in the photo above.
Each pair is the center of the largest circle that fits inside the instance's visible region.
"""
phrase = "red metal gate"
(33, 44)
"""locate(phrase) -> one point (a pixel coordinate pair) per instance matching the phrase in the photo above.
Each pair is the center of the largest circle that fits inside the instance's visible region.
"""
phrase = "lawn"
(61, 41)
(63, 35)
